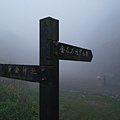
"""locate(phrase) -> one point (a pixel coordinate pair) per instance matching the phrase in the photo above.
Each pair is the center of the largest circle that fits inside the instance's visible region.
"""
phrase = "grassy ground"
(78, 101)
(82, 106)
(83, 100)
(22, 106)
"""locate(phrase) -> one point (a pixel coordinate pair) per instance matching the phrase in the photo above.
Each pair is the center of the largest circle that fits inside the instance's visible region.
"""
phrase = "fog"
(88, 24)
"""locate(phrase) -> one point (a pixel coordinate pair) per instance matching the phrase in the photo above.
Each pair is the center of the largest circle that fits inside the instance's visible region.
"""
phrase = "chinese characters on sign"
(73, 51)
(24, 72)
(69, 52)
(33, 71)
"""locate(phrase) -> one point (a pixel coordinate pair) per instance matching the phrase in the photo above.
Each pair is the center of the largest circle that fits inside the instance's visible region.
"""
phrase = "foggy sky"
(83, 23)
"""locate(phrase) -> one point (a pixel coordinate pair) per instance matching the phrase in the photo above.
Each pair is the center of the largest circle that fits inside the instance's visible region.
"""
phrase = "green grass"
(76, 106)
(13, 108)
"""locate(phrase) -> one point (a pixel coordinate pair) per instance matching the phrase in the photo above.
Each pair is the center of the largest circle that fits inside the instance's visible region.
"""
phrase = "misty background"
(93, 25)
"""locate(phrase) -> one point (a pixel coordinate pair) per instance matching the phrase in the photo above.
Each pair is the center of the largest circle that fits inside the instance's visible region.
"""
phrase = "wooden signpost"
(47, 72)
(69, 52)
(21, 72)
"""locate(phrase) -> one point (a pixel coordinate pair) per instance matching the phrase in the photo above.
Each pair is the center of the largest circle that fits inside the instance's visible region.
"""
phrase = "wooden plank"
(74, 53)
(21, 72)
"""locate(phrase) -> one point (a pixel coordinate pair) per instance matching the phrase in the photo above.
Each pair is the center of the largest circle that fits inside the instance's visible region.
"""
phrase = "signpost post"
(47, 73)
(49, 87)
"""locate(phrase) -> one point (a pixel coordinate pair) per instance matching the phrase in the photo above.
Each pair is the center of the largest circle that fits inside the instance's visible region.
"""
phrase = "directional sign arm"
(69, 52)
(21, 72)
